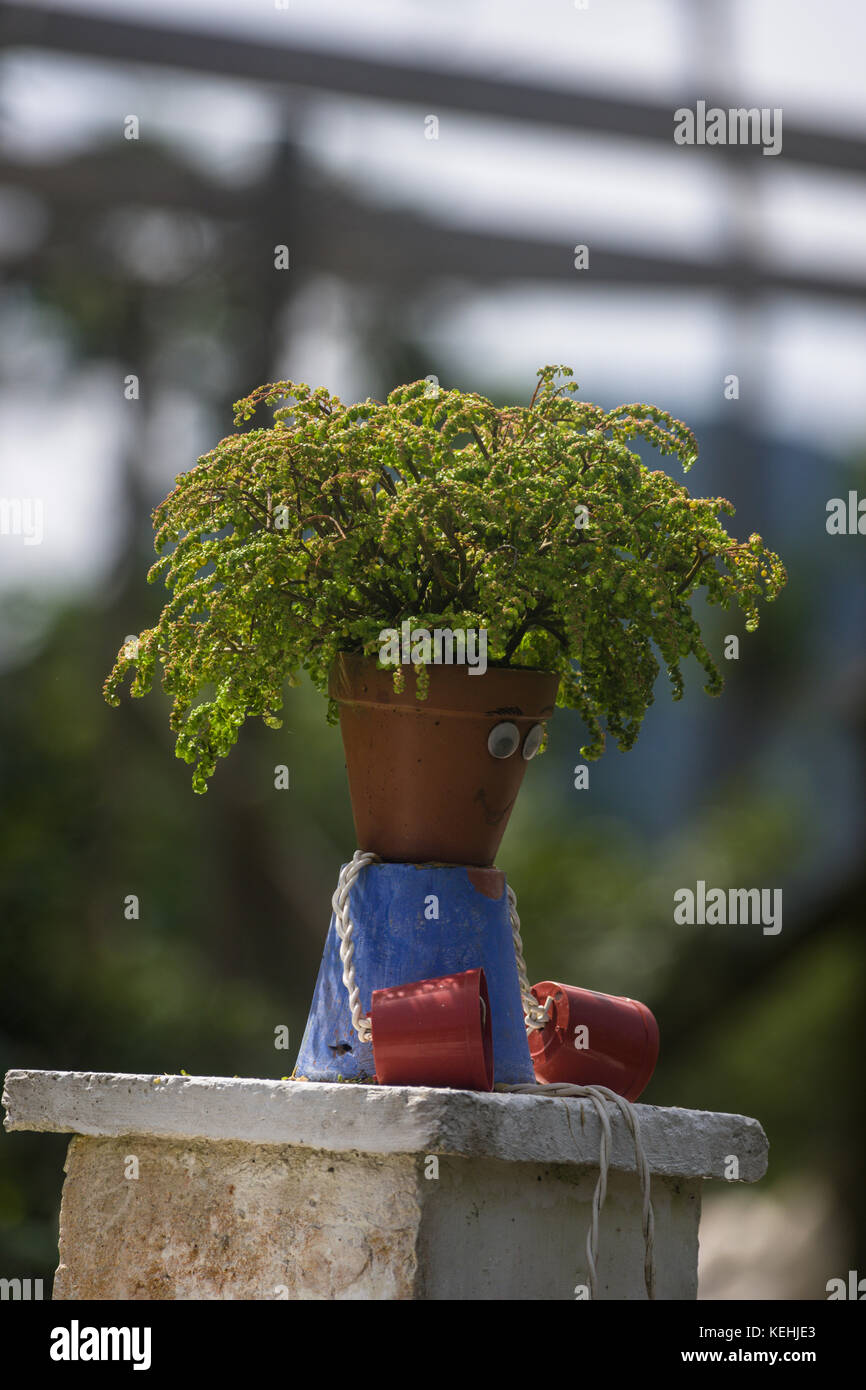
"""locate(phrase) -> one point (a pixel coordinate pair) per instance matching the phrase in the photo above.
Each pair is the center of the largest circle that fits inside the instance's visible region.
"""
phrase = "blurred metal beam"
(391, 247)
(101, 178)
(397, 248)
(233, 55)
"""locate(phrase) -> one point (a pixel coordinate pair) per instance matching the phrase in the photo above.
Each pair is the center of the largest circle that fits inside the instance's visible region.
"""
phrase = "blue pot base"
(415, 922)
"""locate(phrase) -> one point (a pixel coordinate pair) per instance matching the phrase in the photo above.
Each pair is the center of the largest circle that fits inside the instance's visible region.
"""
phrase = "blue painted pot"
(417, 922)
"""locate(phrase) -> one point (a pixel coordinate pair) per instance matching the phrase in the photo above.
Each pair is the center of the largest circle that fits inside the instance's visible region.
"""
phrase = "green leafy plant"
(288, 544)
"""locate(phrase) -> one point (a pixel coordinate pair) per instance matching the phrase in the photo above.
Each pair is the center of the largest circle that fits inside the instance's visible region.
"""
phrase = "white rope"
(536, 1016)
(345, 930)
(598, 1095)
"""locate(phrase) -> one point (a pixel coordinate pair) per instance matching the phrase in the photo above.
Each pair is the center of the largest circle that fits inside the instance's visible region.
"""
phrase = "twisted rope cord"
(535, 1014)
(346, 930)
(598, 1095)
(536, 1017)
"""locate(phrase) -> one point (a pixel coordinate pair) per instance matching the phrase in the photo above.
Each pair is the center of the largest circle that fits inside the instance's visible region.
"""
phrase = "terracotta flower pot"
(424, 784)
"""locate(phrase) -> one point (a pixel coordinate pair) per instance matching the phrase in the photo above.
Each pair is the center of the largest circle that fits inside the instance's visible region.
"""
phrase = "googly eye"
(503, 740)
(532, 742)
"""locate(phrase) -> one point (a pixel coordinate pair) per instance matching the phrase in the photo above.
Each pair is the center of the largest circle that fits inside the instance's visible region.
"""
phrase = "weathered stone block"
(217, 1188)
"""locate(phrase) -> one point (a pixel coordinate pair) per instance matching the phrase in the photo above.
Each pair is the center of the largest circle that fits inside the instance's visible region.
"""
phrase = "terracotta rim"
(452, 689)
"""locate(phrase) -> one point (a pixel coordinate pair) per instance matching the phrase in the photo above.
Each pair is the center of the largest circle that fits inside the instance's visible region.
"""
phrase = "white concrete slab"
(344, 1118)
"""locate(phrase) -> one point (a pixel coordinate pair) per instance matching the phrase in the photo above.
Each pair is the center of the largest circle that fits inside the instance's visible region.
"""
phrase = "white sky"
(491, 176)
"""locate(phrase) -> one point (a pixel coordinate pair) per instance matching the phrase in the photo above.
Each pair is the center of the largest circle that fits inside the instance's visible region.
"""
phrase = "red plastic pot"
(618, 1049)
(434, 1033)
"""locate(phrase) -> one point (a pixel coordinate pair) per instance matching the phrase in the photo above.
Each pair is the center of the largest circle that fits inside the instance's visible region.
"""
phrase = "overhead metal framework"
(399, 248)
(474, 93)
(396, 244)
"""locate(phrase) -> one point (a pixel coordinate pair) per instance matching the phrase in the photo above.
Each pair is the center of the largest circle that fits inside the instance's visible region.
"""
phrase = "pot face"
(424, 784)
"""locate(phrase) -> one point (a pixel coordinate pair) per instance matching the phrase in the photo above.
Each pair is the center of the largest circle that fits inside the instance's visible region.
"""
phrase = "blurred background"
(154, 155)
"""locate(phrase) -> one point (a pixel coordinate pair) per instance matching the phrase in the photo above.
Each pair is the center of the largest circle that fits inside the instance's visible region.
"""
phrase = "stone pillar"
(214, 1188)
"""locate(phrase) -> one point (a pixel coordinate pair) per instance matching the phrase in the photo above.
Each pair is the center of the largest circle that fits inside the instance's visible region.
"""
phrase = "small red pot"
(619, 1050)
(434, 1033)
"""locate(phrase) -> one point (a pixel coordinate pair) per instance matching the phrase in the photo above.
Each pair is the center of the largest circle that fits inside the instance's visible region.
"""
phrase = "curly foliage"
(288, 544)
